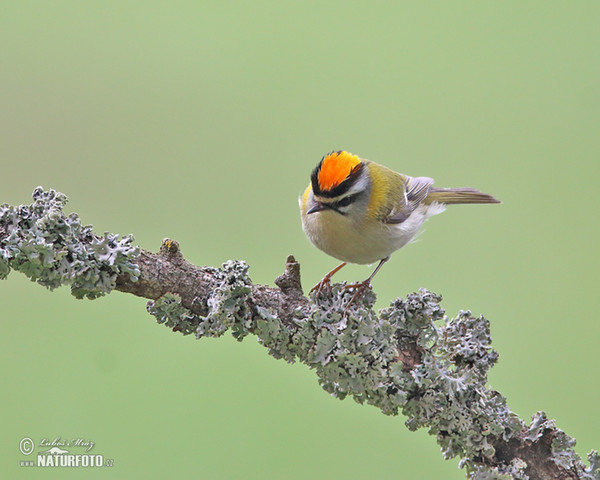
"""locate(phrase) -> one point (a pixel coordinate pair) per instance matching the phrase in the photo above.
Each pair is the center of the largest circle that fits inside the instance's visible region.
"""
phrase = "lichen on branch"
(54, 249)
(408, 358)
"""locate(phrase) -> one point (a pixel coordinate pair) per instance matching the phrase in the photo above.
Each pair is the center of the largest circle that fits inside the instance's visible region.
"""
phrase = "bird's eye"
(344, 202)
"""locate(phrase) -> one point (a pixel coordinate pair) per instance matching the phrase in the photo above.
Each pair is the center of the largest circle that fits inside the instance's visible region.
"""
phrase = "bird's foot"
(325, 283)
(361, 288)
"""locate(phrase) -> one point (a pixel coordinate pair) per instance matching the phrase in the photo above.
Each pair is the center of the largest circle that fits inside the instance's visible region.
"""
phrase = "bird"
(360, 212)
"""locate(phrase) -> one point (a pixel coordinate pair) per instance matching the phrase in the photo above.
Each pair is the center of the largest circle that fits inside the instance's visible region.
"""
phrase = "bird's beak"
(317, 207)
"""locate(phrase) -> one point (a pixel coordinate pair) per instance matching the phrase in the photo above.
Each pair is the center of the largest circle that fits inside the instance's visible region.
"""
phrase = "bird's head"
(338, 181)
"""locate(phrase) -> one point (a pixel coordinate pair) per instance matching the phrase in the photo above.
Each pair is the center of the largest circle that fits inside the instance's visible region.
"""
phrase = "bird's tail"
(458, 195)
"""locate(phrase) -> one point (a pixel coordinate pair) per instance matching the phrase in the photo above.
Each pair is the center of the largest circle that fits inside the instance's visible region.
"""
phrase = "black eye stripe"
(344, 202)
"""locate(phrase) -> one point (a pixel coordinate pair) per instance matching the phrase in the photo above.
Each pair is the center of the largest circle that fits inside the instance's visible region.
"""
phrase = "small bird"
(361, 212)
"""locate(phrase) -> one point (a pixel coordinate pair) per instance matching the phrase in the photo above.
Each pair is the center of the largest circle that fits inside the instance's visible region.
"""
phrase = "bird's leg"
(362, 287)
(325, 281)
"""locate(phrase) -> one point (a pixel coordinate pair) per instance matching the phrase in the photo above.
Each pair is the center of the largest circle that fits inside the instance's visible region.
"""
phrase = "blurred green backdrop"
(201, 121)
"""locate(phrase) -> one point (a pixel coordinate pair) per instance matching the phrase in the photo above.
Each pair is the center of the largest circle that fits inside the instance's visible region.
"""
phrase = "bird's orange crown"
(335, 168)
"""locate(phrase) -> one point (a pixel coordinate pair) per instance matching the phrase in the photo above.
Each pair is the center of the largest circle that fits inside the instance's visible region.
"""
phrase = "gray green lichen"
(227, 307)
(357, 354)
(54, 249)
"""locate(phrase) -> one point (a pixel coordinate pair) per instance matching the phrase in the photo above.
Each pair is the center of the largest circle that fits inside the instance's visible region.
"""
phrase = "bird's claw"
(361, 289)
(324, 284)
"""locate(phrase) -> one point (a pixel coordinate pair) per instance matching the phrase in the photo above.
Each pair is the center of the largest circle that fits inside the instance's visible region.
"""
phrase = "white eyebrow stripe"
(361, 184)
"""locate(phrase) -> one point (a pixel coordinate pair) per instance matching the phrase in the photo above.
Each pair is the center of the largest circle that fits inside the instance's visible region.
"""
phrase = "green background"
(201, 121)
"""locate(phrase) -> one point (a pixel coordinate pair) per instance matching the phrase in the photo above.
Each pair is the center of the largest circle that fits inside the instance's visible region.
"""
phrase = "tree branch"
(407, 358)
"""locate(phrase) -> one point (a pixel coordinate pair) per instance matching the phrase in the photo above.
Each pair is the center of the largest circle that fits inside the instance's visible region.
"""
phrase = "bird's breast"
(362, 243)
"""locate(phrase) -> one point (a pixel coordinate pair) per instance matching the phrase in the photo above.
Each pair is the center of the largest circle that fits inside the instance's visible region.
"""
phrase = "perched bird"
(361, 212)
